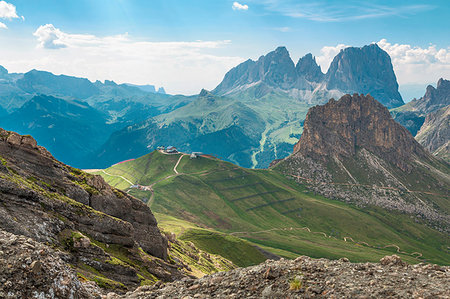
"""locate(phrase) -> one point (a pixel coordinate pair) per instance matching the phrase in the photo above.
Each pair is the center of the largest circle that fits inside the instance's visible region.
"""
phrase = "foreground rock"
(109, 237)
(311, 278)
(30, 269)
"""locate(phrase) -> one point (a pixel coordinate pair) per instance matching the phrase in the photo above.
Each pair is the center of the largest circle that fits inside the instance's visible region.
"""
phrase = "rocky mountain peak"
(434, 98)
(366, 70)
(308, 68)
(3, 71)
(277, 68)
(341, 128)
(442, 83)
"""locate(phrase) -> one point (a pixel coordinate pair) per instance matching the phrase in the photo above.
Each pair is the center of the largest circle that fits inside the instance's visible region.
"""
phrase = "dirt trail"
(118, 176)
(416, 255)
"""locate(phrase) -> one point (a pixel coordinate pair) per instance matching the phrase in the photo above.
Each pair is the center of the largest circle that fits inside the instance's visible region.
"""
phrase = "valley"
(269, 210)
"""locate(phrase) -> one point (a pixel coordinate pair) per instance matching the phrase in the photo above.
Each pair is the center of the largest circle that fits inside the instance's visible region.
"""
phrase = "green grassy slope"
(268, 209)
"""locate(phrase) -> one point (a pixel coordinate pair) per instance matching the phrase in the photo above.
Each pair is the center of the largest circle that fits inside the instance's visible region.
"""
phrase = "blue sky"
(187, 45)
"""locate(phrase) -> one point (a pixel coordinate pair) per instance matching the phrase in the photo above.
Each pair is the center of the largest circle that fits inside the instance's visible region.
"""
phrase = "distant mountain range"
(254, 116)
(427, 118)
(366, 70)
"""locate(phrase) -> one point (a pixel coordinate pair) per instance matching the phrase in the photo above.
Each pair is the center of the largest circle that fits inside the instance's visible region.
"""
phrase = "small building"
(195, 155)
(171, 150)
(161, 148)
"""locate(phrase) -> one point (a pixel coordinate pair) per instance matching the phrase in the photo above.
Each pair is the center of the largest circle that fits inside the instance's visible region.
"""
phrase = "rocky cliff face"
(434, 98)
(340, 128)
(308, 68)
(362, 70)
(275, 69)
(353, 150)
(110, 237)
(365, 70)
(435, 133)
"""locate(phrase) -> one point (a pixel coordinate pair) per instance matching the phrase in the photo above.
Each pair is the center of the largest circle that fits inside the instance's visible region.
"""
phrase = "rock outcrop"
(308, 68)
(309, 278)
(435, 133)
(366, 70)
(340, 128)
(106, 232)
(352, 150)
(412, 114)
(434, 98)
(33, 270)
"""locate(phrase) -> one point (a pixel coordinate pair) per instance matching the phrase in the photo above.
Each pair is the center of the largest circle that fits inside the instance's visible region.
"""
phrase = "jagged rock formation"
(340, 128)
(435, 133)
(308, 68)
(309, 278)
(412, 114)
(349, 72)
(107, 232)
(353, 150)
(366, 70)
(434, 98)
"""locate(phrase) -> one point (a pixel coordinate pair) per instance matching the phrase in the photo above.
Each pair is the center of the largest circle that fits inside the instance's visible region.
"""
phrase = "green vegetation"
(272, 211)
(240, 252)
(296, 283)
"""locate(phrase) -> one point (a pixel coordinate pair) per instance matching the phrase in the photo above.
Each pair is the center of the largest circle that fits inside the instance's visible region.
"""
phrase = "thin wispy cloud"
(239, 6)
(3, 26)
(283, 29)
(325, 11)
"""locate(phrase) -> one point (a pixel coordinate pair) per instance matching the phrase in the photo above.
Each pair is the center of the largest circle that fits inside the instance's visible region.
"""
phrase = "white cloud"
(181, 66)
(50, 37)
(417, 65)
(239, 6)
(3, 26)
(327, 54)
(7, 11)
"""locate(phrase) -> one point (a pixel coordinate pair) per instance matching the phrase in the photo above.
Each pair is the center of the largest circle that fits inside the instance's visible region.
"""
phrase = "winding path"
(416, 255)
(118, 176)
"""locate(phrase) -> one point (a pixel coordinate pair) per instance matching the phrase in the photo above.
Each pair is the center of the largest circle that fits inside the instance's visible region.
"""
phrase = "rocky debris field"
(311, 278)
(29, 269)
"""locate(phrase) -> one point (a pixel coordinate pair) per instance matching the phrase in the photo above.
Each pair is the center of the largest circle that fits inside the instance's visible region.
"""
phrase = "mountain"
(148, 88)
(412, 114)
(434, 135)
(57, 108)
(268, 209)
(308, 68)
(226, 127)
(55, 121)
(40, 82)
(366, 70)
(433, 99)
(349, 72)
(354, 151)
(274, 91)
